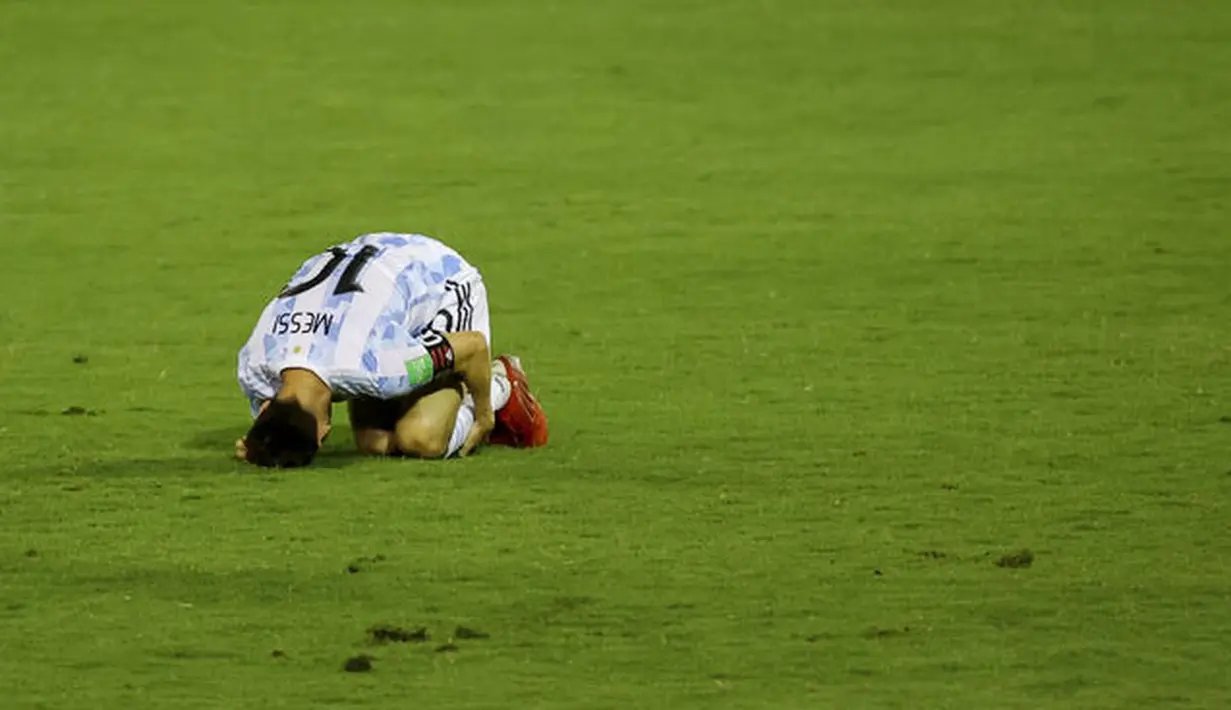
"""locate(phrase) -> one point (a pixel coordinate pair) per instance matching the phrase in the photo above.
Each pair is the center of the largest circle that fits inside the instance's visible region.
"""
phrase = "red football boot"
(521, 423)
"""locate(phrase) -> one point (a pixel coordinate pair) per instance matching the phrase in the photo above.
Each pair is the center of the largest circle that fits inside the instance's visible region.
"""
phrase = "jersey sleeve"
(405, 368)
(253, 382)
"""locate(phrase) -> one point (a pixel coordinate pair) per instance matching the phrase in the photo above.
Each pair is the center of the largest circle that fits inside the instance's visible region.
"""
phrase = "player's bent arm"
(472, 360)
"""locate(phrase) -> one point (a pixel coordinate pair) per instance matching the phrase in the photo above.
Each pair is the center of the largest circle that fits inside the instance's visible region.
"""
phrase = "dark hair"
(283, 436)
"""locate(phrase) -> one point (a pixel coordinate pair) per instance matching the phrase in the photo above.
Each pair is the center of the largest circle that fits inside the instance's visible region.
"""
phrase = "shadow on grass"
(213, 451)
(172, 466)
(215, 439)
(216, 449)
(338, 451)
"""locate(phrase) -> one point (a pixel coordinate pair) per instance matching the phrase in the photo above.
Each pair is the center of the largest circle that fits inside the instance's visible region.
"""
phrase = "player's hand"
(241, 450)
(484, 422)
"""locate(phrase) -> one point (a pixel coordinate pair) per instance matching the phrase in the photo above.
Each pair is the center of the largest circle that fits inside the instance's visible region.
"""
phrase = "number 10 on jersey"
(347, 283)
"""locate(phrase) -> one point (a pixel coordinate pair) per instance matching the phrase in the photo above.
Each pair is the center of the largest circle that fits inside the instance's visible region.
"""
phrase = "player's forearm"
(472, 360)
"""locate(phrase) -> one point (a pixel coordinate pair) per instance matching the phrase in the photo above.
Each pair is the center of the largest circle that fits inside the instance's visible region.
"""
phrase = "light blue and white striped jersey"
(353, 315)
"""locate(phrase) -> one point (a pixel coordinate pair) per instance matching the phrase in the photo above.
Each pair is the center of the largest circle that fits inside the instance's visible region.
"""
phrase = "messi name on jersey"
(305, 322)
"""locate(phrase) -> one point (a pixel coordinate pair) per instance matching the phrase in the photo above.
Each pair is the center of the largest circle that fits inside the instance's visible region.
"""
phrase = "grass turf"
(832, 304)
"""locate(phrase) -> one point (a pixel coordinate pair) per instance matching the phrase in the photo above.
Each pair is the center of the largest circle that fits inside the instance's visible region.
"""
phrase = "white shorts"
(464, 308)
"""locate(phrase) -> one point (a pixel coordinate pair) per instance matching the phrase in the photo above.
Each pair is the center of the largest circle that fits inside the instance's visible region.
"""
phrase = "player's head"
(284, 435)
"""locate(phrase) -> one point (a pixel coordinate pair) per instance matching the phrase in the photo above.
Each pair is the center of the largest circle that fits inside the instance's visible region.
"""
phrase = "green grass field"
(832, 304)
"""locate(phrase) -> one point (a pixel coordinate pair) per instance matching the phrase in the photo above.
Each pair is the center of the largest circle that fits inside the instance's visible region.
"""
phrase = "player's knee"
(374, 442)
(420, 443)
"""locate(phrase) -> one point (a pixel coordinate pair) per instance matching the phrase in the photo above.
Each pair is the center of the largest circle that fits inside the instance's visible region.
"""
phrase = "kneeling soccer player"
(398, 326)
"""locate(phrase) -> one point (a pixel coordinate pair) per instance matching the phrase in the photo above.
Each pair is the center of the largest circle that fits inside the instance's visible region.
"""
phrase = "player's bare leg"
(426, 430)
(434, 424)
(373, 421)
(373, 441)
(409, 426)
